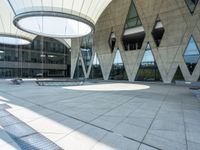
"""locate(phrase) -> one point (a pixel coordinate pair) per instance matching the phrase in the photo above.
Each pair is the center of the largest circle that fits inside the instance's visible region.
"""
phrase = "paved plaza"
(99, 116)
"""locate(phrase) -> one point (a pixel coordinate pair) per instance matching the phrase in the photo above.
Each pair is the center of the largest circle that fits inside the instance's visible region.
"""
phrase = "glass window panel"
(132, 19)
(191, 48)
(178, 75)
(118, 59)
(96, 72)
(191, 55)
(118, 71)
(148, 70)
(96, 60)
(132, 22)
(79, 70)
(86, 50)
(191, 5)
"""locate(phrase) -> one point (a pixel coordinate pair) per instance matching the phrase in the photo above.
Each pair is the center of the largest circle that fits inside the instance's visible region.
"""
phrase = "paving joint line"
(184, 124)
(164, 99)
(87, 123)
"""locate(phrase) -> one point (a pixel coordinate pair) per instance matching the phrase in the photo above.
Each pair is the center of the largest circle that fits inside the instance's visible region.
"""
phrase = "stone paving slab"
(157, 116)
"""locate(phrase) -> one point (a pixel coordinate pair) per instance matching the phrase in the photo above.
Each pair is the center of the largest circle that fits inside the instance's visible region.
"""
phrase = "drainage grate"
(19, 130)
(36, 142)
(8, 120)
(26, 137)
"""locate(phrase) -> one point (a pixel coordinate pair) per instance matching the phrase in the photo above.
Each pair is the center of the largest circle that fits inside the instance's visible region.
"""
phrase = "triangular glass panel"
(86, 50)
(96, 72)
(191, 55)
(158, 32)
(112, 41)
(134, 34)
(178, 76)
(79, 70)
(191, 4)
(118, 71)
(148, 70)
(132, 19)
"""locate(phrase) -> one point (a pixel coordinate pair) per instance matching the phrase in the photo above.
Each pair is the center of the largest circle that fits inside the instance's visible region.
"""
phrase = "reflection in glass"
(132, 19)
(191, 5)
(191, 55)
(178, 75)
(148, 70)
(118, 71)
(79, 70)
(134, 34)
(96, 72)
(86, 50)
(26, 61)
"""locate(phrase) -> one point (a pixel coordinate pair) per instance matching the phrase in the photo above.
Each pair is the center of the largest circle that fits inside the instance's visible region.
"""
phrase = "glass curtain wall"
(34, 60)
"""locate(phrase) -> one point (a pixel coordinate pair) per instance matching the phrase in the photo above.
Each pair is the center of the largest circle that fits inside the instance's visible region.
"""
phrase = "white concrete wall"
(178, 23)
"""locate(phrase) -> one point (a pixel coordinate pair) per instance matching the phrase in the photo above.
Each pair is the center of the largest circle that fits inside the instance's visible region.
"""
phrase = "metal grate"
(26, 137)
(36, 142)
(8, 120)
(19, 130)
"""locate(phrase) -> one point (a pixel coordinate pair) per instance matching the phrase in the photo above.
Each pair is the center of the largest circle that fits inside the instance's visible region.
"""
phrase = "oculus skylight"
(9, 34)
(58, 18)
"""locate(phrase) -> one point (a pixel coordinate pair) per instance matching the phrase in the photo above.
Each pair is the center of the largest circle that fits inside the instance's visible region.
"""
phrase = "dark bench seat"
(59, 82)
(17, 81)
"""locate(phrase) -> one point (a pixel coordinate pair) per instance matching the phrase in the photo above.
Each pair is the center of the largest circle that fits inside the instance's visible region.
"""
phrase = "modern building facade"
(140, 40)
(44, 57)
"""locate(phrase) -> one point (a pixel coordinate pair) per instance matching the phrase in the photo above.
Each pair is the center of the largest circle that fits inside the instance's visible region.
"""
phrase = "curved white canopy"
(58, 18)
(9, 34)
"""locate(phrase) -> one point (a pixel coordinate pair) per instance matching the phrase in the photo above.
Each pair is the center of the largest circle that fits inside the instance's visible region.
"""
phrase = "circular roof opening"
(53, 24)
(13, 40)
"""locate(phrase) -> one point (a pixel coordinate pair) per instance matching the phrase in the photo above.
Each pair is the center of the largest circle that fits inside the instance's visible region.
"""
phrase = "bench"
(182, 83)
(17, 81)
(195, 86)
(59, 82)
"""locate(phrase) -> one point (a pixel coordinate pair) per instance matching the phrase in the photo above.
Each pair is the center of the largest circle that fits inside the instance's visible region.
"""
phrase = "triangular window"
(158, 32)
(191, 4)
(112, 41)
(191, 55)
(79, 70)
(133, 31)
(86, 50)
(148, 70)
(178, 76)
(96, 72)
(118, 71)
